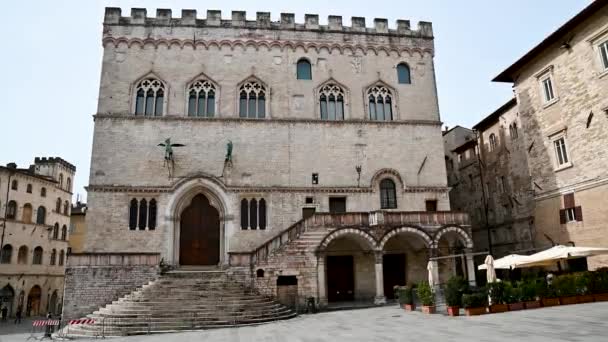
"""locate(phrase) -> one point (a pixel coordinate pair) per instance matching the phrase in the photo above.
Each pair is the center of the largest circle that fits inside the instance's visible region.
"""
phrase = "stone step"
(190, 308)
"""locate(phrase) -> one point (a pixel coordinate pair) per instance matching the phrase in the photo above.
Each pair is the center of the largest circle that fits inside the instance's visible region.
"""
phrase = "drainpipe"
(8, 188)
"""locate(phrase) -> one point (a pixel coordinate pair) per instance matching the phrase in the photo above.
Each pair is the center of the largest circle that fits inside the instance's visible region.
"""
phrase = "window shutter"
(578, 213)
(568, 201)
(562, 216)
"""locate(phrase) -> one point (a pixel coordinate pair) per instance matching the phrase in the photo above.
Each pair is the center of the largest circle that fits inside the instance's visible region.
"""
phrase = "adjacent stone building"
(35, 214)
(290, 155)
(78, 227)
(561, 86)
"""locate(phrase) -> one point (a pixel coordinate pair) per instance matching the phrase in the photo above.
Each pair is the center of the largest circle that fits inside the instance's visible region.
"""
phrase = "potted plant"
(513, 297)
(583, 287)
(453, 291)
(496, 292)
(529, 293)
(548, 294)
(475, 303)
(426, 296)
(599, 284)
(565, 286)
(405, 297)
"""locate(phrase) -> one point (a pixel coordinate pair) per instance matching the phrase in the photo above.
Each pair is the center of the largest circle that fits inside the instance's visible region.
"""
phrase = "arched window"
(69, 184)
(149, 97)
(7, 254)
(143, 212)
(403, 74)
(61, 257)
(61, 180)
(133, 214)
(331, 102)
(201, 101)
(41, 215)
(15, 185)
(11, 210)
(64, 232)
(56, 231)
(253, 214)
(388, 194)
(513, 130)
(252, 100)
(380, 103)
(259, 273)
(262, 209)
(43, 192)
(58, 205)
(493, 142)
(152, 215)
(37, 256)
(244, 214)
(66, 208)
(26, 215)
(53, 256)
(304, 71)
(29, 188)
(22, 255)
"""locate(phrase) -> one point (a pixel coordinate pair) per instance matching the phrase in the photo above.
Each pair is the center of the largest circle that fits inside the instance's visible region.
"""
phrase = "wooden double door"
(340, 278)
(199, 233)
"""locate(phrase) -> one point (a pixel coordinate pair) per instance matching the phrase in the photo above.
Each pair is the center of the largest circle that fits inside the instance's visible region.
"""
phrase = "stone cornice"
(281, 45)
(126, 116)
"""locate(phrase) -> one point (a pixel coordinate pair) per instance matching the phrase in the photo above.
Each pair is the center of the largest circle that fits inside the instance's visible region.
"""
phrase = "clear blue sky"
(51, 57)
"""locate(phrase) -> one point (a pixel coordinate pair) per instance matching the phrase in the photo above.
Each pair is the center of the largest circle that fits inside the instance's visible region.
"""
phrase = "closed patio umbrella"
(431, 268)
(490, 272)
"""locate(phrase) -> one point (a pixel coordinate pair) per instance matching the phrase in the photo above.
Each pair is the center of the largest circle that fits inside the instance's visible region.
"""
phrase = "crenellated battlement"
(113, 16)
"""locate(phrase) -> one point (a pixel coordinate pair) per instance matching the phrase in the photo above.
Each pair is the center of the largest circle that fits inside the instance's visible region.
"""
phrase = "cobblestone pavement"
(584, 322)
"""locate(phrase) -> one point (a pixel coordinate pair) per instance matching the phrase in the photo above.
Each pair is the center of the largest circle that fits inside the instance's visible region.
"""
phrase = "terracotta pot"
(453, 311)
(409, 307)
(498, 308)
(516, 306)
(550, 301)
(585, 299)
(428, 309)
(568, 300)
(600, 297)
(474, 311)
(533, 304)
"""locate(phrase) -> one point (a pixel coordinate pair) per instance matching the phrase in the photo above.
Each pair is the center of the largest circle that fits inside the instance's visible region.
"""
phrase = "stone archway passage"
(33, 301)
(199, 233)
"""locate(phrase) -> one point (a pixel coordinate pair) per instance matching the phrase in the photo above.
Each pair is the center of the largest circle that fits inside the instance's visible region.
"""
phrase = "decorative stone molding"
(348, 231)
(468, 241)
(231, 45)
(405, 230)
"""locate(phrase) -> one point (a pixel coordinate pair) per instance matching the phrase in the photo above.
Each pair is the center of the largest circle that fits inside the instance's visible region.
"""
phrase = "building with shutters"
(561, 88)
(34, 218)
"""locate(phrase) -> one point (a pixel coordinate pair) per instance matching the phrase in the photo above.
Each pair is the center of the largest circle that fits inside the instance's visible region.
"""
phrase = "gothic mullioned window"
(331, 102)
(253, 214)
(380, 103)
(142, 214)
(252, 100)
(201, 99)
(149, 97)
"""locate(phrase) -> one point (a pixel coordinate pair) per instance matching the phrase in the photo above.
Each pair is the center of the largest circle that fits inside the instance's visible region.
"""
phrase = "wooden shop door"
(199, 233)
(340, 278)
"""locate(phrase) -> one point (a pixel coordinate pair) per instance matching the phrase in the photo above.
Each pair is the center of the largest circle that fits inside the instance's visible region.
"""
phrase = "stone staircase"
(184, 300)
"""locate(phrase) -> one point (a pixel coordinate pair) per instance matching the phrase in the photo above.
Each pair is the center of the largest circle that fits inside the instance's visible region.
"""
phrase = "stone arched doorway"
(33, 301)
(199, 242)
(7, 295)
(53, 303)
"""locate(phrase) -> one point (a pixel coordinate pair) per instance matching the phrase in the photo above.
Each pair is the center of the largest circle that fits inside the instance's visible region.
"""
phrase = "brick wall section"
(89, 288)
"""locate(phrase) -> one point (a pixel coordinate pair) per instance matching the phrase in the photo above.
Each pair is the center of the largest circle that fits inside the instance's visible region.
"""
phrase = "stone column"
(380, 298)
(321, 282)
(471, 269)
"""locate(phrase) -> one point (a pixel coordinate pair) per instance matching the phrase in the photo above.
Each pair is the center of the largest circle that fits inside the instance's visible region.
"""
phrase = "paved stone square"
(585, 322)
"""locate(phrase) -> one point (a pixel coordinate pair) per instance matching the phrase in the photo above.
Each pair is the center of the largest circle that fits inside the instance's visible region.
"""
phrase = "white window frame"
(599, 42)
(570, 215)
(602, 49)
(544, 76)
(554, 145)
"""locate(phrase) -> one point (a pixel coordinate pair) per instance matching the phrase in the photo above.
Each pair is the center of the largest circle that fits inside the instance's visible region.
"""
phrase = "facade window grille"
(380, 103)
(41, 215)
(252, 100)
(331, 102)
(201, 99)
(253, 214)
(388, 194)
(150, 97)
(403, 74)
(304, 70)
(37, 260)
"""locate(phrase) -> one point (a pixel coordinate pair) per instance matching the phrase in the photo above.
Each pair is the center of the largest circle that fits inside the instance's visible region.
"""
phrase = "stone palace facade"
(302, 155)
